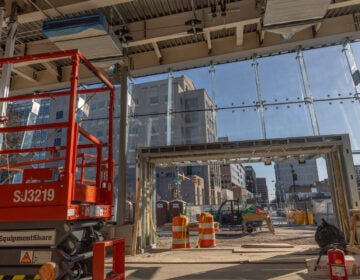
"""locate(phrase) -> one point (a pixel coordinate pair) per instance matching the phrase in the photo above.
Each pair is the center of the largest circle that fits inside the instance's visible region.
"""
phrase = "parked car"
(280, 212)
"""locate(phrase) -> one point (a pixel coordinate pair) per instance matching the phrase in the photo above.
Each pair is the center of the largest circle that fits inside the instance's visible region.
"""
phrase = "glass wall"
(281, 90)
(266, 97)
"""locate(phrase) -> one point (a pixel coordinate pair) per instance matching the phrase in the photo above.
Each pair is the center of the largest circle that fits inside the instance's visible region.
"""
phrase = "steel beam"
(336, 149)
(259, 103)
(309, 100)
(354, 70)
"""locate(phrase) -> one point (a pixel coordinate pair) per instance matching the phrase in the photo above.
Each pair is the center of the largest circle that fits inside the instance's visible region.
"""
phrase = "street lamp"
(293, 174)
(294, 178)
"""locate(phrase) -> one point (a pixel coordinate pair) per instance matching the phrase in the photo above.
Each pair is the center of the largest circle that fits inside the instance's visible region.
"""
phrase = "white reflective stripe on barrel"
(206, 225)
(179, 228)
(208, 236)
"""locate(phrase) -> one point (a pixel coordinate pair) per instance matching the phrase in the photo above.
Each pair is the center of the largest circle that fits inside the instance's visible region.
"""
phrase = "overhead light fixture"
(287, 17)
(302, 161)
(123, 34)
(222, 4)
(213, 7)
(193, 23)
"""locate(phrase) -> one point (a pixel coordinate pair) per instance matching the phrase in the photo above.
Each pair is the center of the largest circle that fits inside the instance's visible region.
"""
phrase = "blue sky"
(281, 83)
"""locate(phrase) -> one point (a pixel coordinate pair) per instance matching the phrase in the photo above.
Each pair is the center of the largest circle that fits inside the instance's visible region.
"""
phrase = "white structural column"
(212, 76)
(309, 100)
(2, 16)
(6, 69)
(144, 213)
(213, 108)
(259, 103)
(354, 70)
(138, 203)
(169, 108)
(123, 128)
(152, 205)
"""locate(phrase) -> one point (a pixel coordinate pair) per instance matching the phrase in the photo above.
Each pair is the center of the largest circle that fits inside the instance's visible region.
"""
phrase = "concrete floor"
(232, 259)
(219, 271)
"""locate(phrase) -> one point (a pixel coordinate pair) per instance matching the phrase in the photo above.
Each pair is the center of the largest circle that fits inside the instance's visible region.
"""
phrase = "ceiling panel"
(161, 23)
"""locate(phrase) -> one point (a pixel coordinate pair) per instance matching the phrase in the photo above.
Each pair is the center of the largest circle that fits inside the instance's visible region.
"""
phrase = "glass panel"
(356, 50)
(328, 73)
(280, 79)
(201, 79)
(239, 124)
(238, 118)
(289, 120)
(282, 93)
(235, 85)
(337, 117)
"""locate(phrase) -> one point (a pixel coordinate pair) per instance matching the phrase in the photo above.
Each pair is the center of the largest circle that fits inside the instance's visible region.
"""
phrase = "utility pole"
(169, 108)
(294, 178)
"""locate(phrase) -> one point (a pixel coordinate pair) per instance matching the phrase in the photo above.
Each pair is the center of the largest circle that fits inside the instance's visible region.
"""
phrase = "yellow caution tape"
(154, 229)
(18, 277)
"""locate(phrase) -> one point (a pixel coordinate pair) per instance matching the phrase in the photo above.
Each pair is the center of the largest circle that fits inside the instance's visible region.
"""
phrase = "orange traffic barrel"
(206, 230)
(299, 217)
(180, 232)
(310, 217)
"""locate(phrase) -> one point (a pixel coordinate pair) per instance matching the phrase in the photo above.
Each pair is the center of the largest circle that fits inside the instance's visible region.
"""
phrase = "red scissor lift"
(55, 213)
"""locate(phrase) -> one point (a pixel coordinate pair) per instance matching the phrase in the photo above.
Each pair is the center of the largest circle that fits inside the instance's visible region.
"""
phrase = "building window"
(101, 104)
(59, 115)
(191, 118)
(153, 100)
(133, 130)
(57, 141)
(194, 104)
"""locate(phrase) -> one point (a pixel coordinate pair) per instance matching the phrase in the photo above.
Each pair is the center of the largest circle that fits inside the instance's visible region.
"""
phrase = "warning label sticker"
(34, 257)
(26, 257)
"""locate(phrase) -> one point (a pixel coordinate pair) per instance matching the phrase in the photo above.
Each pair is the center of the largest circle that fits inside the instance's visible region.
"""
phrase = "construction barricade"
(118, 259)
(299, 217)
(290, 217)
(206, 231)
(251, 221)
(310, 216)
(303, 217)
(180, 232)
